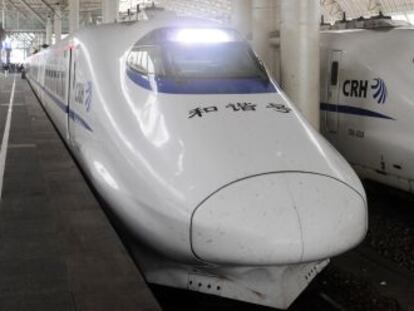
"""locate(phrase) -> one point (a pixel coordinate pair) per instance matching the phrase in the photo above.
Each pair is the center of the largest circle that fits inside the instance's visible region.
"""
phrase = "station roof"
(31, 15)
(335, 9)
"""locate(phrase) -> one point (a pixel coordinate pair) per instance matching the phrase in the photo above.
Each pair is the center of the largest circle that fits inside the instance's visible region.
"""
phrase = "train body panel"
(367, 115)
(217, 174)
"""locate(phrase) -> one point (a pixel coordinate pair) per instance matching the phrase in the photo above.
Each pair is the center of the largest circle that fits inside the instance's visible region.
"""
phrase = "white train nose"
(278, 218)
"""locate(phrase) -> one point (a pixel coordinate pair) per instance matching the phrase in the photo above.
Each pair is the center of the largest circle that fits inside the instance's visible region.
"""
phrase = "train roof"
(127, 33)
(368, 31)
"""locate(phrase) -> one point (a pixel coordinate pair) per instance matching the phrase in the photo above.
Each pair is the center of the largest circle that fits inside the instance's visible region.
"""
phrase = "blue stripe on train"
(72, 114)
(354, 111)
(202, 86)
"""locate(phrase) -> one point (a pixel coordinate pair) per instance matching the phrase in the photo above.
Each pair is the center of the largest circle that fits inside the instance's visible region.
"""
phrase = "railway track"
(379, 274)
(180, 300)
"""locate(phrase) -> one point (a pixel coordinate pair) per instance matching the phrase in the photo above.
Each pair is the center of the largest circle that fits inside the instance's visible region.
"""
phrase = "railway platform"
(58, 251)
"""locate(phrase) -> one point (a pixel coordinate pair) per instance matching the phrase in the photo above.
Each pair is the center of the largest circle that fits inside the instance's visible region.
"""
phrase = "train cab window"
(202, 53)
(145, 60)
(155, 63)
(137, 60)
(334, 73)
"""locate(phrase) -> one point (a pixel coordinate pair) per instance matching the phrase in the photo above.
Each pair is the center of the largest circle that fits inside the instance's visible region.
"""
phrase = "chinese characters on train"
(83, 94)
(199, 112)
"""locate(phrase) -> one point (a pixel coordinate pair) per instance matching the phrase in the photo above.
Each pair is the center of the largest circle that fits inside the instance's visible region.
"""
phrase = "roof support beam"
(11, 31)
(36, 15)
(48, 5)
(17, 8)
(54, 11)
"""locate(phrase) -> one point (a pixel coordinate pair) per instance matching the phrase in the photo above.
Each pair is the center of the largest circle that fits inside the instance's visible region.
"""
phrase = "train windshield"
(198, 53)
(224, 60)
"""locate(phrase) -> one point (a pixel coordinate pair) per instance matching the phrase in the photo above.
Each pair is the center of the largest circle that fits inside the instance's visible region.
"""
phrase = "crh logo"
(355, 88)
(380, 91)
(359, 89)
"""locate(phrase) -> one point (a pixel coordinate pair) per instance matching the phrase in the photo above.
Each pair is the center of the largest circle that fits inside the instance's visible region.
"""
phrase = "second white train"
(367, 108)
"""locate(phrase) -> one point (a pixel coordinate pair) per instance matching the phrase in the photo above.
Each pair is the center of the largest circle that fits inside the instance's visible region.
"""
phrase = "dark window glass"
(165, 53)
(226, 60)
(146, 60)
(334, 73)
(137, 60)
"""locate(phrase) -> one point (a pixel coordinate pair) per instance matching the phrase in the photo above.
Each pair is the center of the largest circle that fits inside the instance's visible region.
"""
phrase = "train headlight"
(201, 35)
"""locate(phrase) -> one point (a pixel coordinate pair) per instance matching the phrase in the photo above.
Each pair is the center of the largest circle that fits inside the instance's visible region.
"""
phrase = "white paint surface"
(5, 140)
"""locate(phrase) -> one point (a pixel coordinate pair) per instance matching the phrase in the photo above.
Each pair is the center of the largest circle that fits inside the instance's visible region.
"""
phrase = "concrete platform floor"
(58, 250)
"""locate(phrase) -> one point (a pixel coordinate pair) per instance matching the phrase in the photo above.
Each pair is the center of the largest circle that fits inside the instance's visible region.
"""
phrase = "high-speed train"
(367, 101)
(201, 156)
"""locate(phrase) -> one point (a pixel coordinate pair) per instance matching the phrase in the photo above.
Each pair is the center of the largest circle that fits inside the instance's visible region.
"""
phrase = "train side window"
(137, 60)
(146, 60)
(334, 73)
(150, 66)
(155, 65)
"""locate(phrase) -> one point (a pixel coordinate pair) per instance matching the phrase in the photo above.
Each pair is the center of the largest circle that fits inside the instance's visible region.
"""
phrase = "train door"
(333, 92)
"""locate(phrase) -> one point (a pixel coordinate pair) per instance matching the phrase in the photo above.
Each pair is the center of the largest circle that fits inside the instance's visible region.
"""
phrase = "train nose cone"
(279, 218)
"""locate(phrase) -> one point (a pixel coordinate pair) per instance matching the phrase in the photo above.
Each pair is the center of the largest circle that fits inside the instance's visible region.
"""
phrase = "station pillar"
(241, 17)
(3, 14)
(42, 38)
(73, 16)
(89, 19)
(265, 21)
(57, 21)
(110, 9)
(299, 42)
(48, 31)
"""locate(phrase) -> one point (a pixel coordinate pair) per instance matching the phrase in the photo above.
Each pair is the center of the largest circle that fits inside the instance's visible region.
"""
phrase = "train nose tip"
(279, 218)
